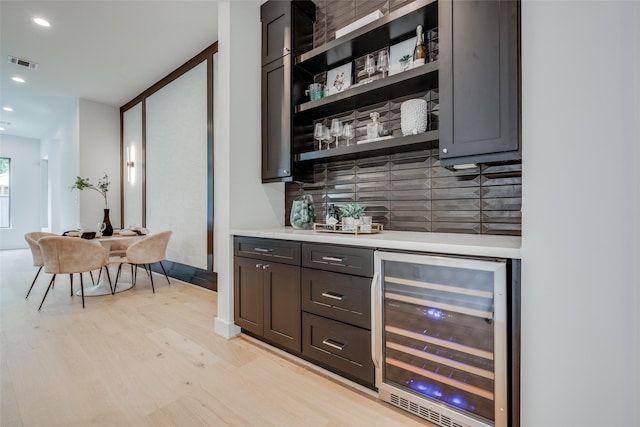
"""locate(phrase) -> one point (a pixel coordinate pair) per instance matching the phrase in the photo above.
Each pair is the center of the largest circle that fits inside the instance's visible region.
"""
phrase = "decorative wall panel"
(176, 165)
(412, 192)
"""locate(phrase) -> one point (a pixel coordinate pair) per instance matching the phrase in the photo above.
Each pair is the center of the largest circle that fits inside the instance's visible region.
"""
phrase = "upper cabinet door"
(276, 121)
(479, 81)
(276, 30)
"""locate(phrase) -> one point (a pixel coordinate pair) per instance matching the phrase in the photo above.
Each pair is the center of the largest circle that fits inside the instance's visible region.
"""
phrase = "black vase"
(108, 230)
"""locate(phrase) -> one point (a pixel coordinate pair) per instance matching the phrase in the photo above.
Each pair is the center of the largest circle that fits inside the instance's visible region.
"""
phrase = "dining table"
(102, 287)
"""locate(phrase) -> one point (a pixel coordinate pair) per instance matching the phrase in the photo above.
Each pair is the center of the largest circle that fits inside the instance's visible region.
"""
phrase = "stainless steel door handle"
(334, 344)
(332, 295)
(331, 258)
(264, 250)
(375, 354)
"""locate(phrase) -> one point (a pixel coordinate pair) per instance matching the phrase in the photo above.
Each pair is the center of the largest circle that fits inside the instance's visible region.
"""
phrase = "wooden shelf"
(398, 144)
(400, 84)
(390, 29)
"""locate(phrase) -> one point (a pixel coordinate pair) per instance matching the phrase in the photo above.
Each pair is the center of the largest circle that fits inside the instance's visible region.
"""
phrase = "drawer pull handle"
(331, 258)
(265, 250)
(258, 265)
(333, 296)
(333, 343)
(264, 267)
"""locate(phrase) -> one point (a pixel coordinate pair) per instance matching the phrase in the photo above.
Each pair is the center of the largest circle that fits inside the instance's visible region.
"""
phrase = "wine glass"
(336, 129)
(318, 133)
(327, 137)
(369, 66)
(348, 132)
(383, 62)
(101, 227)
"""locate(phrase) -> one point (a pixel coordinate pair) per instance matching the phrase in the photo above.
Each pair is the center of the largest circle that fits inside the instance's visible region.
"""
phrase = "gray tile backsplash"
(412, 192)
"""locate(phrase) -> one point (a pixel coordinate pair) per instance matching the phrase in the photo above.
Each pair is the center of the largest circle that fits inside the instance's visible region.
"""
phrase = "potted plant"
(350, 214)
(102, 187)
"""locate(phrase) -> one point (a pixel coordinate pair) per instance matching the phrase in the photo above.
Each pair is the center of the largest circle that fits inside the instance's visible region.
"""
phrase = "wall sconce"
(131, 154)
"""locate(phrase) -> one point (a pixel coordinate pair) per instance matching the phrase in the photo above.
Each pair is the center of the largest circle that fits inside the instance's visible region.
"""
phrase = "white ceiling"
(103, 51)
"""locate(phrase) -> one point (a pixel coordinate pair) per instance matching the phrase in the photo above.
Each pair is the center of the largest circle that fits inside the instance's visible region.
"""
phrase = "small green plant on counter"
(351, 210)
(102, 187)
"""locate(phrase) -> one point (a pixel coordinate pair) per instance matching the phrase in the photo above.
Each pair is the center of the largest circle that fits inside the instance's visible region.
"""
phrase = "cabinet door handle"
(333, 343)
(264, 267)
(285, 50)
(333, 295)
(376, 349)
(258, 265)
(331, 258)
(264, 250)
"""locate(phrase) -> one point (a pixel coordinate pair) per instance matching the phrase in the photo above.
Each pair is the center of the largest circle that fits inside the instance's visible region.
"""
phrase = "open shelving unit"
(356, 101)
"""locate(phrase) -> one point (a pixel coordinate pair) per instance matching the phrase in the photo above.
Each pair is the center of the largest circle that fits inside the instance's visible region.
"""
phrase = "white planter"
(413, 116)
(350, 224)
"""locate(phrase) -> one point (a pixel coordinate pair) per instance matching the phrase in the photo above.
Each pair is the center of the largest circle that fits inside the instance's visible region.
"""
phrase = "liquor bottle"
(373, 128)
(420, 51)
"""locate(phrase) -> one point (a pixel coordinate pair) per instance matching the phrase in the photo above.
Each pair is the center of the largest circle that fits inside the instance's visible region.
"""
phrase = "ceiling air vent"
(25, 63)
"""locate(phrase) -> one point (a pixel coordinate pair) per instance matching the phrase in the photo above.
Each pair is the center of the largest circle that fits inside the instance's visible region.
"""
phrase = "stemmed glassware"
(369, 66)
(101, 227)
(348, 132)
(383, 62)
(318, 133)
(327, 137)
(336, 129)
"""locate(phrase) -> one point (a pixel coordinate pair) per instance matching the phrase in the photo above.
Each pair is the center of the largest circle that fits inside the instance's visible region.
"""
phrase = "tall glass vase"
(108, 230)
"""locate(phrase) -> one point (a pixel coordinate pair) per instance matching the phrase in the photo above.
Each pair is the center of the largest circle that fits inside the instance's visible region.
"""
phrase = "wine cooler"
(439, 337)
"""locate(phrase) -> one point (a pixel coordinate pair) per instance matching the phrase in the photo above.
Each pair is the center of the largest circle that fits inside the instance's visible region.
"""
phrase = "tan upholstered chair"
(32, 240)
(150, 250)
(69, 255)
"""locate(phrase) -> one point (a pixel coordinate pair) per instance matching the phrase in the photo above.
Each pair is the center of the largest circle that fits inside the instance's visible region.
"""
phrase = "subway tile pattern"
(412, 192)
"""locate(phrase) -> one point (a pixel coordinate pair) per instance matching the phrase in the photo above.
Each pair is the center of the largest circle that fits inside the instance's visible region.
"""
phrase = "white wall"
(132, 188)
(241, 200)
(25, 192)
(61, 146)
(99, 130)
(580, 360)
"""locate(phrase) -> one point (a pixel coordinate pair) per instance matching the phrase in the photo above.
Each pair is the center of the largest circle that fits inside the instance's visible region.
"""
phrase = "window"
(5, 194)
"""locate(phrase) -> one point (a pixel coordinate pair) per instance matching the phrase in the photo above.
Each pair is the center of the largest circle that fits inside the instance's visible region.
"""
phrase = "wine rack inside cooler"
(443, 337)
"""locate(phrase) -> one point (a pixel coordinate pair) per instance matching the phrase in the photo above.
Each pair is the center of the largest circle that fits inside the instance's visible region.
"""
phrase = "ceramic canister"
(413, 116)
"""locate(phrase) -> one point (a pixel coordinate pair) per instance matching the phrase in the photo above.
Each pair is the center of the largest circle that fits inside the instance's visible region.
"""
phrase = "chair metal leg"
(34, 282)
(71, 281)
(92, 281)
(151, 277)
(47, 291)
(82, 290)
(113, 290)
(115, 286)
(165, 272)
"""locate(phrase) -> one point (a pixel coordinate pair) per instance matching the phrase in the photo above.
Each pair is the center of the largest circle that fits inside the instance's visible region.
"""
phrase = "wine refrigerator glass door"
(440, 345)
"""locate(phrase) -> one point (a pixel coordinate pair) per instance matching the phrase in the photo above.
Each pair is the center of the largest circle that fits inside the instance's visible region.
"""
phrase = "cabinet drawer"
(337, 296)
(339, 347)
(282, 251)
(341, 259)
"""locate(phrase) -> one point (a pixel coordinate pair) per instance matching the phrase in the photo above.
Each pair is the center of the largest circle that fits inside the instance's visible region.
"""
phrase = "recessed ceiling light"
(7, 108)
(1, 129)
(42, 22)
(17, 79)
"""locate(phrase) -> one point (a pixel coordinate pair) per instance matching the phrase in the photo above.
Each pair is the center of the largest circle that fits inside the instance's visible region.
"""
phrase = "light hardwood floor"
(143, 359)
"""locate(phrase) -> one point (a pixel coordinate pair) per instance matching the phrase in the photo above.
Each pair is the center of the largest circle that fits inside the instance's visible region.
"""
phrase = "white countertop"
(447, 243)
